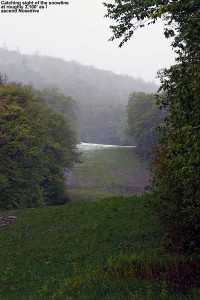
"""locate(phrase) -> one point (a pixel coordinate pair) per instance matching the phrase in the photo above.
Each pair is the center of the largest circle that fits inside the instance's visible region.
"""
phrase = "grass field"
(113, 171)
(105, 248)
(90, 250)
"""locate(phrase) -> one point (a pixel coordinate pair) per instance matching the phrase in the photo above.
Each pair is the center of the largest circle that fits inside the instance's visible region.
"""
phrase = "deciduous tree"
(36, 146)
(176, 164)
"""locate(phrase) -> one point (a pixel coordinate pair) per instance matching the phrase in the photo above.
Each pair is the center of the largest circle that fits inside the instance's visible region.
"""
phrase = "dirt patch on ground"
(7, 220)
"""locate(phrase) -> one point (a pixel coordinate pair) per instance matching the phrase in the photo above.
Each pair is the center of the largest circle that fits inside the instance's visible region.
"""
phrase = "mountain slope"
(101, 96)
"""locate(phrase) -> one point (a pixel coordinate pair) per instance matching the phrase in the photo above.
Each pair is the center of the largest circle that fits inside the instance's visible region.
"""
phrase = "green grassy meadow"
(89, 250)
(109, 171)
(94, 250)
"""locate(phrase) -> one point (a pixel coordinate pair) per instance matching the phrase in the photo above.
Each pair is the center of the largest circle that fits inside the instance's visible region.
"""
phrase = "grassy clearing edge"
(126, 272)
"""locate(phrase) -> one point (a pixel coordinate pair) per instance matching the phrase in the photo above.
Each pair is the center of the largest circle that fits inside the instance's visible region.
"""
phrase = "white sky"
(80, 32)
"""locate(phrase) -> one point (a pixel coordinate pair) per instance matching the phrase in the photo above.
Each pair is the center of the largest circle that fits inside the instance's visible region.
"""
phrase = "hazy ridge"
(101, 96)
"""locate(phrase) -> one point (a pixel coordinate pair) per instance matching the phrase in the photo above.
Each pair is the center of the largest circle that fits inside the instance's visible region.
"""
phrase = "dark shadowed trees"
(176, 162)
(144, 117)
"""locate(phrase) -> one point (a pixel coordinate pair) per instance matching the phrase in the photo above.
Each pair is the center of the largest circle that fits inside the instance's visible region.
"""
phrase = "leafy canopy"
(144, 117)
(176, 162)
(36, 146)
(133, 14)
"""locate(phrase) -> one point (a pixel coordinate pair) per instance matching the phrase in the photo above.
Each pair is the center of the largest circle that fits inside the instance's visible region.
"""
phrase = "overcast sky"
(80, 32)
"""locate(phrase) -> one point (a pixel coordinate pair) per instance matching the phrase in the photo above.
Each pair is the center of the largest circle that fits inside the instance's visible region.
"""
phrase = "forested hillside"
(101, 96)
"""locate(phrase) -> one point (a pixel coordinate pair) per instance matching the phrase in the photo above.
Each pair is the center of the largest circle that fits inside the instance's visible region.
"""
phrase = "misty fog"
(80, 32)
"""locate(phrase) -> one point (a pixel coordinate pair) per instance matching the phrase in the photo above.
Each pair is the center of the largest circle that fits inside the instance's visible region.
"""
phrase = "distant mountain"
(94, 90)
(79, 81)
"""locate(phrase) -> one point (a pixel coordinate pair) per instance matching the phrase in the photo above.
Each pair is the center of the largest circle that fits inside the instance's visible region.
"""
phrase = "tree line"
(37, 144)
(143, 121)
(175, 192)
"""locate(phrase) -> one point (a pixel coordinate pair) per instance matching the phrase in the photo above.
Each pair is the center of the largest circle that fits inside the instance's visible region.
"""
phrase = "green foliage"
(36, 147)
(65, 106)
(144, 117)
(131, 15)
(21, 147)
(176, 163)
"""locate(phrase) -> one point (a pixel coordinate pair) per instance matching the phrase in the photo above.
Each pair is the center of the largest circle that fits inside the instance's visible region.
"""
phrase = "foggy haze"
(80, 32)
